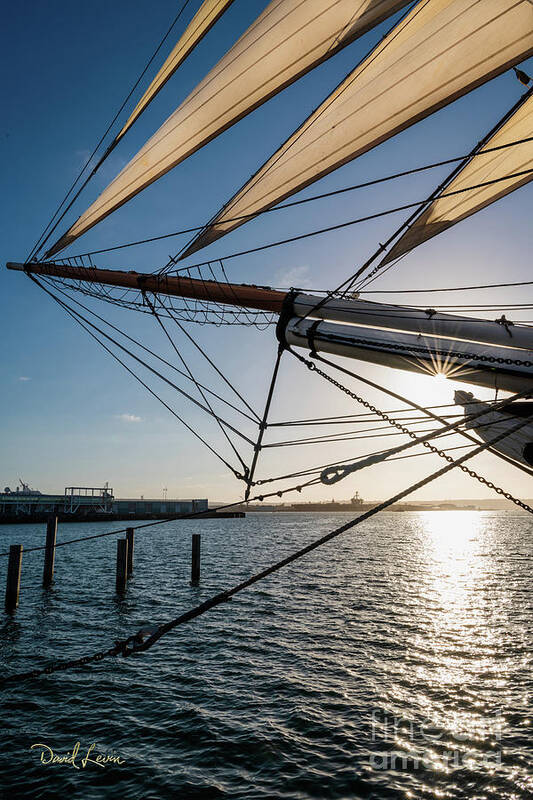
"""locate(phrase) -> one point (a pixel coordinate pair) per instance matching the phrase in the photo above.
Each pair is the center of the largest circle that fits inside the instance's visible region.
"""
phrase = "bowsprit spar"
(436, 51)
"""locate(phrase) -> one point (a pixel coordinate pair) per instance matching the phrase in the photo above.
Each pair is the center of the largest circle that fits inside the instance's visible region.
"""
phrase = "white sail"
(202, 22)
(438, 52)
(288, 39)
(446, 211)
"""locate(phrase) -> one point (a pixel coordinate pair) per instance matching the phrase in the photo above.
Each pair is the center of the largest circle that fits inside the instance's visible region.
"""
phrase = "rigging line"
(151, 391)
(368, 281)
(352, 416)
(317, 470)
(136, 305)
(341, 438)
(357, 221)
(213, 365)
(230, 286)
(333, 475)
(393, 32)
(349, 421)
(214, 278)
(312, 198)
(449, 288)
(263, 423)
(436, 194)
(336, 474)
(40, 244)
(395, 313)
(138, 642)
(342, 435)
(202, 393)
(399, 397)
(485, 306)
(348, 435)
(148, 350)
(201, 278)
(140, 361)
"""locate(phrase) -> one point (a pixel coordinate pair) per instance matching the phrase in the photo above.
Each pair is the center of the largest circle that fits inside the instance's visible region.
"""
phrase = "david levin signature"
(75, 759)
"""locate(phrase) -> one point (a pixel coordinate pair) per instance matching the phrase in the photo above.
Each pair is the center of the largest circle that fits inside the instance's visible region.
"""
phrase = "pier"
(97, 504)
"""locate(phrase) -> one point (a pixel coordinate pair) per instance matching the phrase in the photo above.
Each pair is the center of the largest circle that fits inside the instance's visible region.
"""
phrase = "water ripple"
(394, 663)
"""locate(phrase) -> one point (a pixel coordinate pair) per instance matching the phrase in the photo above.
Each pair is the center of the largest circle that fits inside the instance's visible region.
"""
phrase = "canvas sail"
(438, 52)
(288, 39)
(209, 12)
(447, 211)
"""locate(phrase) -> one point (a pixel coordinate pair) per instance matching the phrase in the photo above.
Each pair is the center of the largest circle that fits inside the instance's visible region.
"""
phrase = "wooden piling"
(13, 577)
(50, 551)
(122, 564)
(195, 561)
(130, 539)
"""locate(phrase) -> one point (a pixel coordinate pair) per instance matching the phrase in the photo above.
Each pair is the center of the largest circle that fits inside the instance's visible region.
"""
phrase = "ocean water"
(394, 662)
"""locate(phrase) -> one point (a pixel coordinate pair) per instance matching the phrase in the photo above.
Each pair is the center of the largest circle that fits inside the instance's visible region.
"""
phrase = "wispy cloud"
(128, 417)
(293, 276)
(24, 378)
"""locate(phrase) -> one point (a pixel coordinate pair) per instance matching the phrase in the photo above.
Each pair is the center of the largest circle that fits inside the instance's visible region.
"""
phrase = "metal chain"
(119, 647)
(507, 495)
(425, 351)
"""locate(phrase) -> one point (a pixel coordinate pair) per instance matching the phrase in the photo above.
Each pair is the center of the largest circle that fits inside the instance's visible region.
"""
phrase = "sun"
(431, 390)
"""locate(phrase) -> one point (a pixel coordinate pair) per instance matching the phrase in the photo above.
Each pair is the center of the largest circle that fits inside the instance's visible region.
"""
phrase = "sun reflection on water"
(458, 640)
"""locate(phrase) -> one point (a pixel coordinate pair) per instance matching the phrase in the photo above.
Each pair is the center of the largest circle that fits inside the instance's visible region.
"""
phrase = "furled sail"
(519, 444)
(494, 166)
(288, 39)
(438, 52)
(494, 367)
(202, 22)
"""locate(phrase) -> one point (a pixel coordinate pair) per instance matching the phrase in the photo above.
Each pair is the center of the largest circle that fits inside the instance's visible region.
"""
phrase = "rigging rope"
(263, 423)
(139, 344)
(198, 387)
(357, 221)
(450, 288)
(427, 411)
(77, 317)
(47, 232)
(303, 201)
(214, 366)
(391, 34)
(314, 368)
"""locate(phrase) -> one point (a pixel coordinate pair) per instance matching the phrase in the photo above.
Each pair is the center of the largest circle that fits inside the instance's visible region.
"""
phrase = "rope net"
(199, 312)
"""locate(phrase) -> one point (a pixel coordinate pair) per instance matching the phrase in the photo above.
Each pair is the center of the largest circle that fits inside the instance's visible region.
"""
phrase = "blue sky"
(71, 415)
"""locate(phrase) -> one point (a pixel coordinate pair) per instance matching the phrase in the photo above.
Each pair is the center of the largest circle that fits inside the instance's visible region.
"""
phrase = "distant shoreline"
(360, 508)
